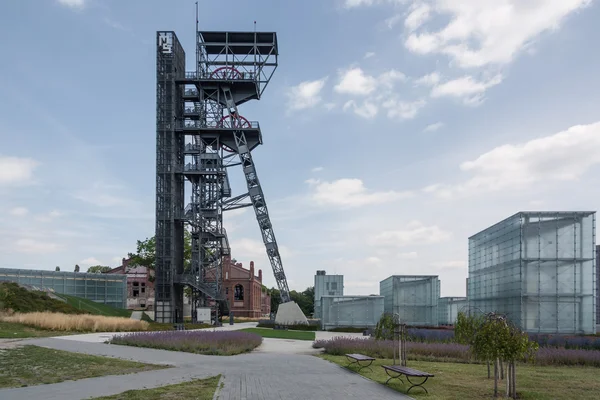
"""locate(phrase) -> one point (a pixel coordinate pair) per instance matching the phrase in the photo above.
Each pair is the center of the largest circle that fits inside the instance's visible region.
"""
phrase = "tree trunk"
(514, 380)
(488, 365)
(501, 370)
(496, 378)
(508, 380)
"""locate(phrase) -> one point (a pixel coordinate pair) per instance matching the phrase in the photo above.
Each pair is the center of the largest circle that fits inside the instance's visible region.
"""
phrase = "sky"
(392, 129)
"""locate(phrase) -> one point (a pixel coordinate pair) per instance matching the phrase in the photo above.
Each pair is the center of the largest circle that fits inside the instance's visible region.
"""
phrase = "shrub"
(348, 329)
(201, 342)
(448, 351)
(77, 323)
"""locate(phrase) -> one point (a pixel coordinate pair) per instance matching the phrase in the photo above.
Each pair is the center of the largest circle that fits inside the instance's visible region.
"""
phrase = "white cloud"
(429, 80)
(245, 250)
(393, 20)
(466, 88)
(389, 78)
(306, 94)
(564, 156)
(483, 32)
(401, 109)
(35, 246)
(329, 106)
(450, 264)
(19, 211)
(369, 54)
(350, 193)
(354, 81)
(419, 14)
(236, 212)
(408, 256)
(433, 127)
(76, 4)
(367, 109)
(15, 170)
(90, 261)
(415, 233)
(317, 169)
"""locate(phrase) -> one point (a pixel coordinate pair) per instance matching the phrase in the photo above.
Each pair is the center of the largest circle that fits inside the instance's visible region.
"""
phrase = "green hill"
(19, 299)
(92, 307)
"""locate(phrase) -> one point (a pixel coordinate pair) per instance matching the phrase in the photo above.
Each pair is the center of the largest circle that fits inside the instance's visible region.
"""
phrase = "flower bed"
(220, 343)
(448, 351)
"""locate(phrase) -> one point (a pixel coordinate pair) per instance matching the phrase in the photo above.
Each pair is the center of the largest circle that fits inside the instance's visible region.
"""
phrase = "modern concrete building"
(101, 288)
(327, 285)
(350, 311)
(449, 307)
(597, 287)
(413, 297)
(538, 268)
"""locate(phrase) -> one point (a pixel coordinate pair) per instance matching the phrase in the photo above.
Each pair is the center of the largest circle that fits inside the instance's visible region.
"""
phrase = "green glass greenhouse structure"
(538, 268)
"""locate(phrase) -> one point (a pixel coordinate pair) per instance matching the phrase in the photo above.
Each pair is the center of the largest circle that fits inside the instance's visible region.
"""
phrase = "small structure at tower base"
(290, 314)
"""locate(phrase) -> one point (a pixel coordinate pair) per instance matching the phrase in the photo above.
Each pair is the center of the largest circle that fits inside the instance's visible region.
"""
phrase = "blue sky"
(393, 129)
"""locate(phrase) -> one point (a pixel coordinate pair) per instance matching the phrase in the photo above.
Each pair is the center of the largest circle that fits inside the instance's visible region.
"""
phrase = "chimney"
(251, 270)
(260, 275)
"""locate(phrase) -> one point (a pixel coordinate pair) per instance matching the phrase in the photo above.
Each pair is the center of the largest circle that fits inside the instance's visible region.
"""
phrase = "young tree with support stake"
(494, 338)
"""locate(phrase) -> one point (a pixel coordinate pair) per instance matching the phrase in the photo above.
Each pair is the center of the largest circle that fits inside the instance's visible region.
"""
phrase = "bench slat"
(360, 357)
(407, 371)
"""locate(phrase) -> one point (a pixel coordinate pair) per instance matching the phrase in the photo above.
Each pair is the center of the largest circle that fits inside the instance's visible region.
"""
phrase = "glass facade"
(350, 311)
(449, 307)
(413, 297)
(101, 288)
(539, 269)
(326, 285)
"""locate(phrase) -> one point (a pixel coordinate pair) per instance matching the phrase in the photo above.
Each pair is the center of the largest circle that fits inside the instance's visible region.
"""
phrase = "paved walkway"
(278, 369)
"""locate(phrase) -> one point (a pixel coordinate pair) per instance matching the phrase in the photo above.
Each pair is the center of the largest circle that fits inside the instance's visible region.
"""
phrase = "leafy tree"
(493, 338)
(98, 269)
(305, 300)
(76, 268)
(57, 269)
(145, 254)
(385, 327)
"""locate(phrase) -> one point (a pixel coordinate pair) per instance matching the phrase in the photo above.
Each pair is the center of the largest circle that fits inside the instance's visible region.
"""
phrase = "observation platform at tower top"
(215, 42)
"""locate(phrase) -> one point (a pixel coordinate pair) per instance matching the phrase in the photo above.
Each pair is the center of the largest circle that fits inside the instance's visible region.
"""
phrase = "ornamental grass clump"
(76, 322)
(218, 343)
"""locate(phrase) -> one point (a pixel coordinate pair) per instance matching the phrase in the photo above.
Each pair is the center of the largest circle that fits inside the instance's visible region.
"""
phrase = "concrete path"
(278, 369)
(137, 315)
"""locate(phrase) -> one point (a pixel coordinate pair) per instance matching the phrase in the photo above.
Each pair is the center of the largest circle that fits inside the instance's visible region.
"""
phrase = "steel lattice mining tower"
(200, 135)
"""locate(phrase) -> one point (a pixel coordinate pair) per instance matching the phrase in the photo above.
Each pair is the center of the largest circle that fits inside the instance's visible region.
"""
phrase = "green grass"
(281, 334)
(11, 330)
(469, 381)
(200, 389)
(19, 299)
(32, 365)
(94, 308)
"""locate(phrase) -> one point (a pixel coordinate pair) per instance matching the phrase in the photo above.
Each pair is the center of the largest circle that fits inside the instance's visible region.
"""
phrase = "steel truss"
(210, 136)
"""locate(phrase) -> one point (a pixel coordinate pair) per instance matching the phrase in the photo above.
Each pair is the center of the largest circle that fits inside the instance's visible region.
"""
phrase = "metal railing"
(227, 124)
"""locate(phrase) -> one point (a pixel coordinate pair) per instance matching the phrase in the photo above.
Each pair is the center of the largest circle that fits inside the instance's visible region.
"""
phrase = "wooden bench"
(408, 372)
(358, 358)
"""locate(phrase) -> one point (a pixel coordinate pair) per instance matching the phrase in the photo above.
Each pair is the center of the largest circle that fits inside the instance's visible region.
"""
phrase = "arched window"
(239, 292)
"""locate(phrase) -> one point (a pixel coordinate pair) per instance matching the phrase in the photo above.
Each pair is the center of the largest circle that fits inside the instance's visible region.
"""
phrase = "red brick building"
(244, 290)
(140, 289)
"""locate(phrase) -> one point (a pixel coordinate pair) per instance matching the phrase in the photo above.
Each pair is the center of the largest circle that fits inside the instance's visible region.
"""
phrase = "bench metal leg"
(360, 366)
(387, 371)
(417, 384)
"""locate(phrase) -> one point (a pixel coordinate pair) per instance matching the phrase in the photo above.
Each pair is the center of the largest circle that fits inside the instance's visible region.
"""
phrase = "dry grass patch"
(78, 323)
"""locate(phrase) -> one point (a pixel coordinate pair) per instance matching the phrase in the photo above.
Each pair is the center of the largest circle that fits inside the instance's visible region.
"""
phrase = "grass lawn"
(95, 308)
(469, 381)
(281, 334)
(11, 330)
(201, 389)
(32, 365)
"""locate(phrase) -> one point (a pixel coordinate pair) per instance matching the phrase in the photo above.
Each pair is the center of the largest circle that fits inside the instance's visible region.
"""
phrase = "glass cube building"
(101, 288)
(449, 307)
(413, 297)
(538, 268)
(326, 285)
(350, 311)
